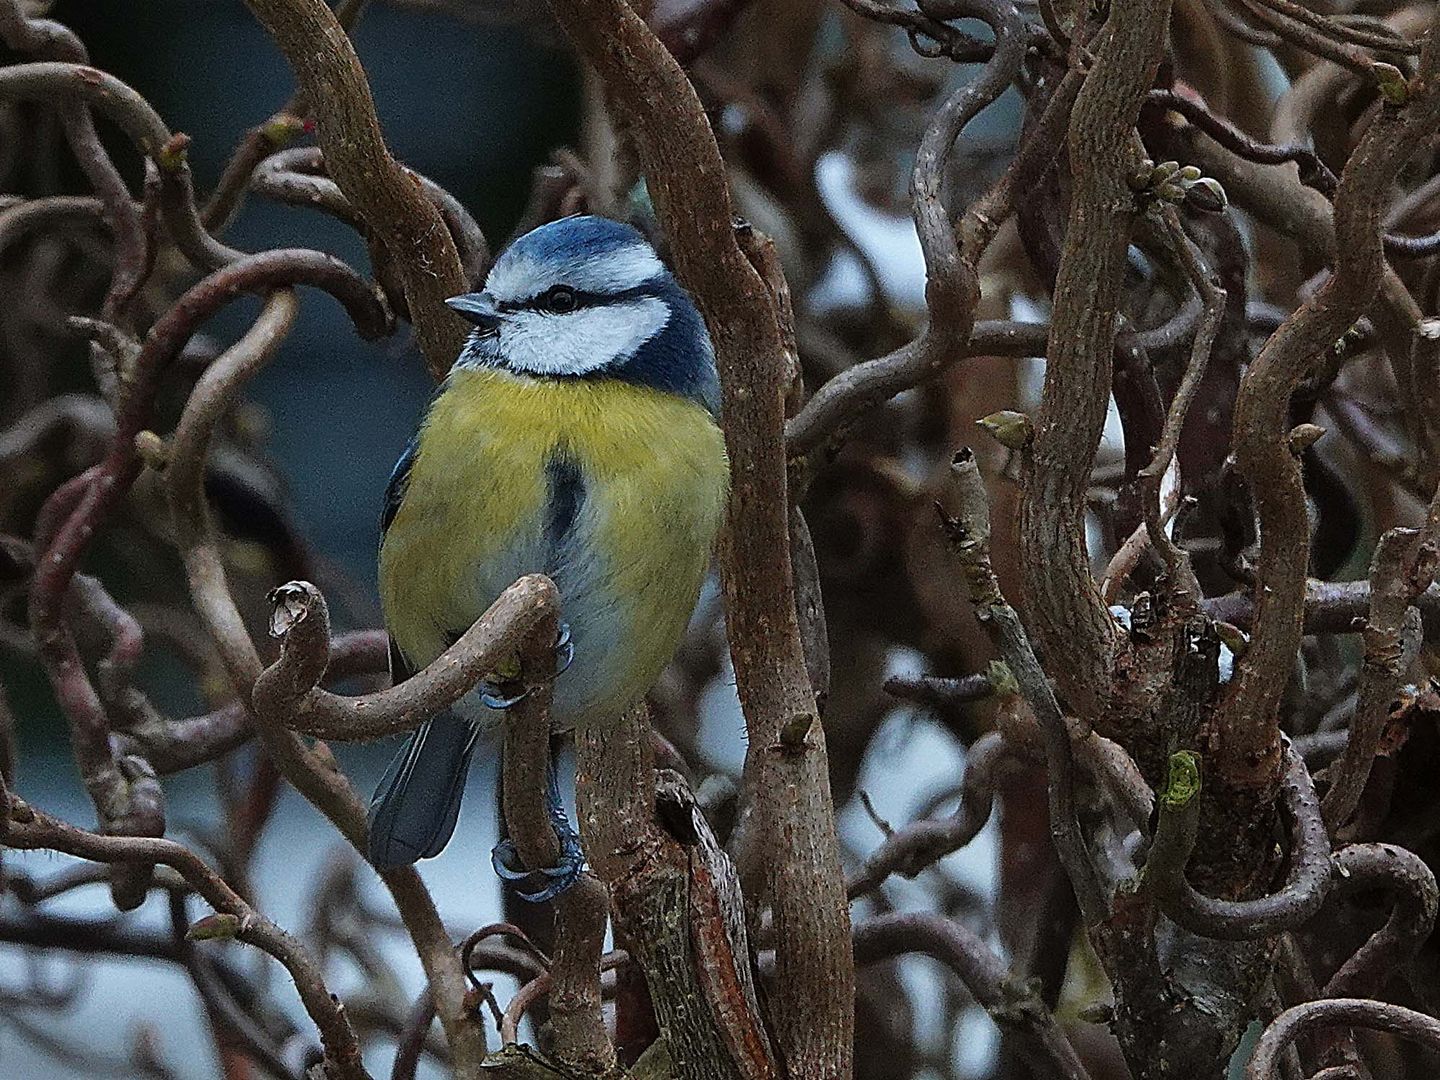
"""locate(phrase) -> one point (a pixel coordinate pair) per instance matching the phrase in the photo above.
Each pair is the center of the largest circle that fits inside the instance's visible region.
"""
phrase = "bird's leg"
(506, 692)
(506, 860)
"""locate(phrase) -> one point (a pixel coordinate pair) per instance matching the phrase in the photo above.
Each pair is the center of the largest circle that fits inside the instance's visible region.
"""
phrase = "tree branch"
(384, 193)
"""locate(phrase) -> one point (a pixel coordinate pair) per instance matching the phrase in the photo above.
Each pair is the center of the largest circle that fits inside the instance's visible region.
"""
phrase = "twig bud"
(1002, 680)
(1393, 85)
(290, 603)
(1206, 194)
(217, 927)
(795, 731)
(1304, 436)
(1182, 779)
(172, 155)
(152, 450)
(1009, 428)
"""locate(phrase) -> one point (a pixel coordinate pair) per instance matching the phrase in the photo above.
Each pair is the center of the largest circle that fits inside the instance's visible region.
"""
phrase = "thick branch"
(1073, 628)
(813, 1004)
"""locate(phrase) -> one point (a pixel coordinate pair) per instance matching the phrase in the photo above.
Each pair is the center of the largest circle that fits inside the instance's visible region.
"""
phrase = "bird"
(576, 435)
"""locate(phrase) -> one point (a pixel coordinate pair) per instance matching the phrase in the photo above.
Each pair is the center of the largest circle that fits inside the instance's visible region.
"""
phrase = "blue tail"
(413, 813)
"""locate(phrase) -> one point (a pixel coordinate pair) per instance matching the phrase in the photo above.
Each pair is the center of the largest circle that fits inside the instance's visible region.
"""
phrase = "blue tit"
(575, 436)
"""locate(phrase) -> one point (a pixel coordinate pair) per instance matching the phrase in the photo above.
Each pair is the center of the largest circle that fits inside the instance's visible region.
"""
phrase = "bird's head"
(586, 297)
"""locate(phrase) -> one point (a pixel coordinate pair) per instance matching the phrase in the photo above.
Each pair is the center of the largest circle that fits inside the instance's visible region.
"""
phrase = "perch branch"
(787, 785)
(289, 688)
(581, 1043)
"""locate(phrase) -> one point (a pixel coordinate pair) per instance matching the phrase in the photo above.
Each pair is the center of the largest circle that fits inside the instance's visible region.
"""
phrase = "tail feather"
(413, 813)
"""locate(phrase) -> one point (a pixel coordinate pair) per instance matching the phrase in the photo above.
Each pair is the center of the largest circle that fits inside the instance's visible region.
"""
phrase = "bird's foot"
(508, 692)
(506, 861)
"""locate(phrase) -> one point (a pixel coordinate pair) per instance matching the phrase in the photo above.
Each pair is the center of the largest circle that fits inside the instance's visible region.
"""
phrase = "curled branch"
(952, 254)
(1250, 754)
(911, 849)
(1300, 1020)
(289, 688)
(1411, 920)
(1312, 870)
(298, 176)
(311, 771)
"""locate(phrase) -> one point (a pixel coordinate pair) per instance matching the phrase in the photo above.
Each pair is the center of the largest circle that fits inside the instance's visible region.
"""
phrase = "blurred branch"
(52, 41)
(923, 843)
(25, 828)
(1010, 1001)
(952, 252)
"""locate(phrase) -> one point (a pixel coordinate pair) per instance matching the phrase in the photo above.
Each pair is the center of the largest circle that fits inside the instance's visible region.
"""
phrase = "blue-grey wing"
(417, 802)
(398, 482)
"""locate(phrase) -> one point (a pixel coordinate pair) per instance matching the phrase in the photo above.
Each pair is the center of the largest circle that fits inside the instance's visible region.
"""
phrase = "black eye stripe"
(583, 298)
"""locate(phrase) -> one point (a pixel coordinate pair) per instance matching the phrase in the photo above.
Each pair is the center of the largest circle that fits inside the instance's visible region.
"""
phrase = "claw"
(564, 650)
(505, 694)
(506, 860)
(502, 695)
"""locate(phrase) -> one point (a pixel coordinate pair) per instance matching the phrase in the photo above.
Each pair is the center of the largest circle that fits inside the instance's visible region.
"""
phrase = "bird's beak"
(477, 308)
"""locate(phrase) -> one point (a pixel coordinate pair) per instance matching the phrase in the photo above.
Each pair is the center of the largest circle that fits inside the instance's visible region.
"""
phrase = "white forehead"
(520, 275)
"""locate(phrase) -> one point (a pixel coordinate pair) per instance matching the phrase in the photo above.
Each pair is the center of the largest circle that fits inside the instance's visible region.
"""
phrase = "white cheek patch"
(517, 278)
(577, 343)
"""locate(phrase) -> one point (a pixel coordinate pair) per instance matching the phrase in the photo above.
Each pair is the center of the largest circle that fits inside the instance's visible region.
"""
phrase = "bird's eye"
(559, 300)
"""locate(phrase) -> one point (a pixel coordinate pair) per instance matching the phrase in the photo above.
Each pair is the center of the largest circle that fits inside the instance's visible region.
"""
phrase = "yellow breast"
(473, 518)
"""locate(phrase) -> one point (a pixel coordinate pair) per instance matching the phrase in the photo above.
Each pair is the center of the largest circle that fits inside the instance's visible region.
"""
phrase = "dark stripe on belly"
(564, 497)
